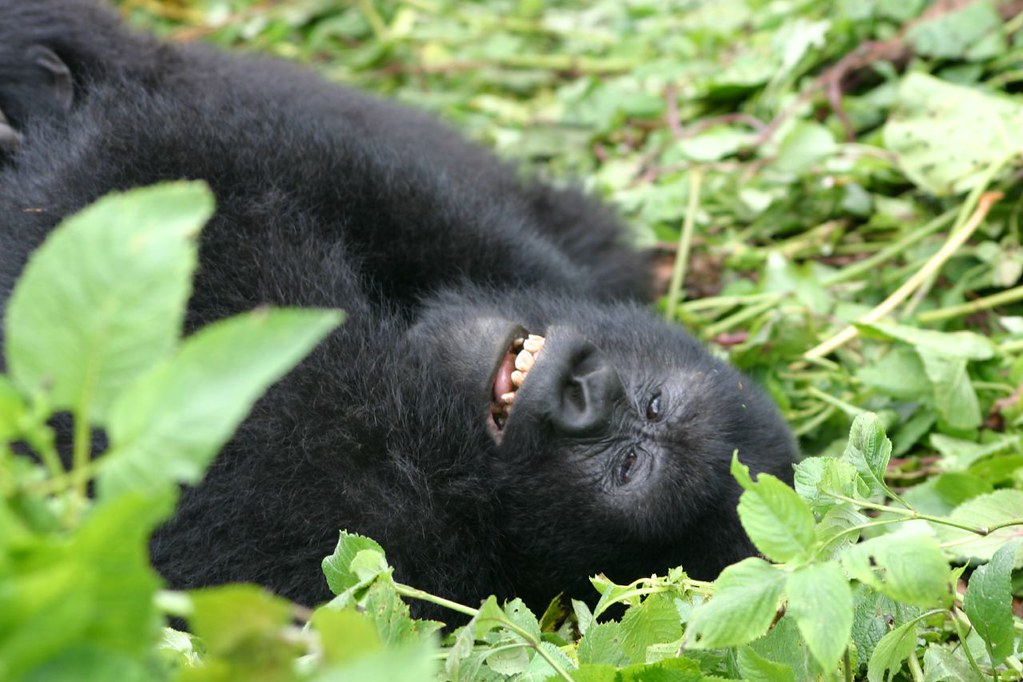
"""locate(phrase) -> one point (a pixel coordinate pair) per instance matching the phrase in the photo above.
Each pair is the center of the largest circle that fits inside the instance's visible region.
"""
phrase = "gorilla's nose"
(585, 392)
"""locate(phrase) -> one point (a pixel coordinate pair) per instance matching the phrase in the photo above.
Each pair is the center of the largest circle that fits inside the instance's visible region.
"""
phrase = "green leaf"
(93, 589)
(805, 145)
(954, 396)
(869, 450)
(102, 300)
(891, 651)
(755, 668)
(908, 568)
(816, 478)
(234, 617)
(947, 665)
(345, 635)
(962, 344)
(820, 601)
(973, 32)
(654, 621)
(899, 374)
(946, 136)
(167, 427)
(745, 603)
(12, 409)
(391, 615)
(668, 670)
(985, 511)
(338, 569)
(777, 521)
(988, 602)
(603, 644)
(785, 645)
(874, 616)
(412, 662)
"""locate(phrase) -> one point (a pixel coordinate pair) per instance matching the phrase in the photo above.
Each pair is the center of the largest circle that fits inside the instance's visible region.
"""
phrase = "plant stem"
(912, 514)
(413, 593)
(985, 303)
(933, 264)
(866, 265)
(508, 624)
(958, 619)
(678, 275)
(81, 450)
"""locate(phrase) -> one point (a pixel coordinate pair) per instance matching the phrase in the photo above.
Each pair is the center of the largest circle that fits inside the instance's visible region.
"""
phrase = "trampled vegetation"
(835, 190)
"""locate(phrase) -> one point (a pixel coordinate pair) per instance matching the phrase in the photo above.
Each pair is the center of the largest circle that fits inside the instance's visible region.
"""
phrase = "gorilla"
(500, 411)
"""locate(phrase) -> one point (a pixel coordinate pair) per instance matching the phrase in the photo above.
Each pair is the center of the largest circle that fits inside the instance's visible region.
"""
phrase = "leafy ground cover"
(834, 188)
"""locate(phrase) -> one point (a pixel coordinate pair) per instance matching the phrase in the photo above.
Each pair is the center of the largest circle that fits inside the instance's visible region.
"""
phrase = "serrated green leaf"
(777, 521)
(909, 568)
(985, 511)
(668, 670)
(820, 601)
(654, 621)
(391, 615)
(167, 427)
(337, 568)
(835, 529)
(102, 300)
(603, 644)
(891, 651)
(874, 616)
(817, 478)
(988, 602)
(745, 602)
(869, 450)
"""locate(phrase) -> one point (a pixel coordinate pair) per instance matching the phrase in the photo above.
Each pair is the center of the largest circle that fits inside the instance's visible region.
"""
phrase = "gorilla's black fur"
(616, 455)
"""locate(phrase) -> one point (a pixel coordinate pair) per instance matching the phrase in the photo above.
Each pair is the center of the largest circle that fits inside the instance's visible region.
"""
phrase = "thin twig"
(933, 264)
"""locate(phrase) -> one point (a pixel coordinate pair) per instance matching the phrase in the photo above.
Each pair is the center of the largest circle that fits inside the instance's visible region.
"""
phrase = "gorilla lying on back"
(462, 283)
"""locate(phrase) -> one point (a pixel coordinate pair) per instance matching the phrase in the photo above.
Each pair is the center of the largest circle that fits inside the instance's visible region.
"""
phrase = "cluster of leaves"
(837, 186)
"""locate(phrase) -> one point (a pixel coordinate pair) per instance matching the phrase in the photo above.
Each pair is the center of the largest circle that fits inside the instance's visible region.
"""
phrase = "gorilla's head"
(610, 435)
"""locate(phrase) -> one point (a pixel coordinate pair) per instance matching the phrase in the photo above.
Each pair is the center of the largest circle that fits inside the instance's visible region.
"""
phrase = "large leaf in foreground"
(167, 427)
(102, 300)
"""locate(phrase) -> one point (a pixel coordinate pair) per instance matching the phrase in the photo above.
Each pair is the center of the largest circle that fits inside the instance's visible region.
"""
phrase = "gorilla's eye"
(653, 408)
(625, 469)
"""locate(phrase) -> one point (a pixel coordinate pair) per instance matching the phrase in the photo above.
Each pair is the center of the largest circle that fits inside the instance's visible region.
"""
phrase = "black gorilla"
(616, 452)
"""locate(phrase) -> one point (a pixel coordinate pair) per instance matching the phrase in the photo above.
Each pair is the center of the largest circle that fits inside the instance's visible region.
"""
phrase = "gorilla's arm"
(102, 108)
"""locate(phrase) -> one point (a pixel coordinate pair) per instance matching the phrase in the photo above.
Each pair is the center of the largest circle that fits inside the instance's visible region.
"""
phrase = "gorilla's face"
(611, 435)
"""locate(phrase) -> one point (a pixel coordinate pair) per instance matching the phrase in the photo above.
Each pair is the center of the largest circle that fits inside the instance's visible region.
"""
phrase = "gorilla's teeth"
(508, 398)
(524, 361)
(534, 344)
(517, 378)
(517, 343)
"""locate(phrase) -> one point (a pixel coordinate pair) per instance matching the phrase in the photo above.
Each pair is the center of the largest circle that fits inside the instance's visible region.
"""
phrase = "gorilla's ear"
(55, 74)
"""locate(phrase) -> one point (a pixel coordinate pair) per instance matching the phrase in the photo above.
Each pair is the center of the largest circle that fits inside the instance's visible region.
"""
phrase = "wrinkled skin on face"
(615, 457)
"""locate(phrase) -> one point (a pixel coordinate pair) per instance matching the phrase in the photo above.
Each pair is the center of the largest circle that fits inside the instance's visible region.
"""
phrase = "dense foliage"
(834, 187)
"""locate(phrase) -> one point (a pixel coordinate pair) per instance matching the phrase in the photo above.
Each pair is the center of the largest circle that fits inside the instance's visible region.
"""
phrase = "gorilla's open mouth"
(512, 369)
